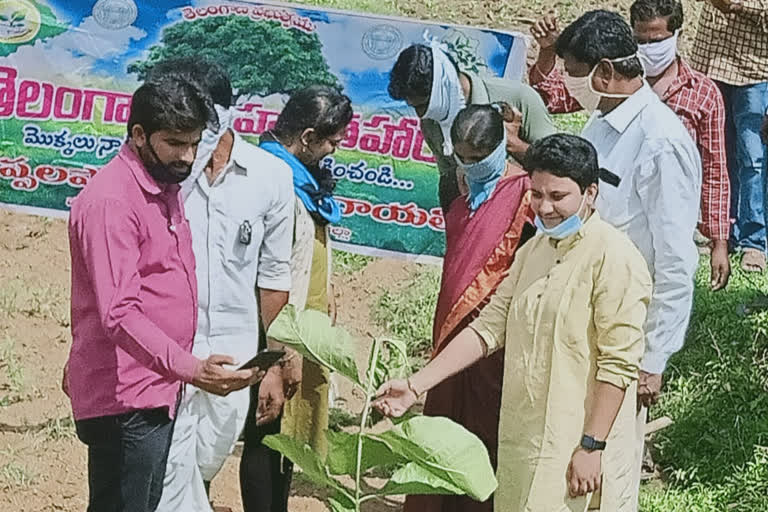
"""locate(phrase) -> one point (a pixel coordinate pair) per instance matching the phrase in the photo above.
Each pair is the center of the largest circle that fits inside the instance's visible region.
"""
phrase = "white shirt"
(656, 204)
(255, 187)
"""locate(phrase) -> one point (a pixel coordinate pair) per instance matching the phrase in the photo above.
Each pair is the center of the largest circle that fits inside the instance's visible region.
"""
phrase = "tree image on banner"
(261, 57)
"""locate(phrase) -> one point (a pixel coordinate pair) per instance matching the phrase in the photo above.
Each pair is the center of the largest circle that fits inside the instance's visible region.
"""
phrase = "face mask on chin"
(658, 56)
(168, 174)
(568, 227)
(582, 90)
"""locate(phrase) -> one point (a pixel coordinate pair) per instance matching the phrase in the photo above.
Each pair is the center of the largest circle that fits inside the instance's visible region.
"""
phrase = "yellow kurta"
(305, 415)
(570, 314)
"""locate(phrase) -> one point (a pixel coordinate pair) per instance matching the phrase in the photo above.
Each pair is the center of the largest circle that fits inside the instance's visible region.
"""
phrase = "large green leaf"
(415, 479)
(312, 467)
(312, 335)
(342, 454)
(445, 449)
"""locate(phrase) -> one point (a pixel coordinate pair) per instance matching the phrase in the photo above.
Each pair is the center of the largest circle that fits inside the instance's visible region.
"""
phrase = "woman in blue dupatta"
(310, 127)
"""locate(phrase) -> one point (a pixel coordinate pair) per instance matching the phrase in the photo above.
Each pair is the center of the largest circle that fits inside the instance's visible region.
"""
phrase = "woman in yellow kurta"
(571, 316)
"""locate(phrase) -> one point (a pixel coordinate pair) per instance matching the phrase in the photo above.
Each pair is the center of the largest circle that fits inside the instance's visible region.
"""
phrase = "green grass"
(11, 366)
(714, 455)
(349, 263)
(14, 475)
(407, 312)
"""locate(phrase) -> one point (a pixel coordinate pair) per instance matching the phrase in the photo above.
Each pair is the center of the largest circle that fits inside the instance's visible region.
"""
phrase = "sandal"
(752, 260)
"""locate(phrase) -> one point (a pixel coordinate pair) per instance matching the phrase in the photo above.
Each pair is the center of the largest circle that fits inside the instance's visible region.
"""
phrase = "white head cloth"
(208, 143)
(447, 97)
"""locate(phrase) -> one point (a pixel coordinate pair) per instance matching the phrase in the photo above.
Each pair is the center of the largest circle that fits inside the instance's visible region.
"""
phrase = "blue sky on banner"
(89, 49)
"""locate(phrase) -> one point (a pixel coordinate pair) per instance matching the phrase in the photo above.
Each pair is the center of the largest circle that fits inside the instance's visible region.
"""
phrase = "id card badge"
(245, 232)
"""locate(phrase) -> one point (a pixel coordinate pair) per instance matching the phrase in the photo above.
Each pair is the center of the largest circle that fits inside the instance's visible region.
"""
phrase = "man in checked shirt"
(731, 47)
(691, 95)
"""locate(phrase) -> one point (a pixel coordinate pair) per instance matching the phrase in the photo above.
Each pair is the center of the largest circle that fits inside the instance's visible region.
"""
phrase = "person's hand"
(545, 31)
(513, 121)
(394, 398)
(65, 379)
(764, 130)
(292, 371)
(271, 396)
(648, 388)
(720, 264)
(214, 378)
(461, 179)
(583, 475)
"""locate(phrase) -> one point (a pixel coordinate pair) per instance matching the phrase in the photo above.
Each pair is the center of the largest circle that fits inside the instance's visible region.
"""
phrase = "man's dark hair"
(320, 107)
(412, 73)
(647, 10)
(566, 156)
(480, 126)
(599, 35)
(174, 103)
(203, 71)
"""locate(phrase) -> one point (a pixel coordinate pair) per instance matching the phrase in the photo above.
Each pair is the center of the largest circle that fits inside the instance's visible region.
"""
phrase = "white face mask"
(658, 56)
(580, 87)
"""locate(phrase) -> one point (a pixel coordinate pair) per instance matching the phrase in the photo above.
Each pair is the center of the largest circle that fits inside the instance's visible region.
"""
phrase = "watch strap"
(591, 444)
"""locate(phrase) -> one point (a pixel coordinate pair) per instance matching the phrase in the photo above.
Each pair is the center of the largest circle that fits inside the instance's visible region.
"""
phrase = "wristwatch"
(591, 444)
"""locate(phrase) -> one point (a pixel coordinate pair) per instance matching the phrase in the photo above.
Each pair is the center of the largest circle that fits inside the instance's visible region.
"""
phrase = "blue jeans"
(744, 111)
(127, 454)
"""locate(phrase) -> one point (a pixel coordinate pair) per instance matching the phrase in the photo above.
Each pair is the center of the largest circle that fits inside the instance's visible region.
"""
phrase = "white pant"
(206, 430)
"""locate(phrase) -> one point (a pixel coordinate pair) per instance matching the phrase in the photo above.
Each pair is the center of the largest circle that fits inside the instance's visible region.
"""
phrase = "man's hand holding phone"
(212, 376)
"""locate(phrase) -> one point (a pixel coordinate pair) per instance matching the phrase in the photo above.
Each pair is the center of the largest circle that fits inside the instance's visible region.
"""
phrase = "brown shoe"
(221, 508)
(752, 260)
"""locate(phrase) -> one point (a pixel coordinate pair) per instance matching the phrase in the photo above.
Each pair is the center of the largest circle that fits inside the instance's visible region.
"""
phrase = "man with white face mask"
(239, 202)
(692, 96)
(657, 199)
(427, 79)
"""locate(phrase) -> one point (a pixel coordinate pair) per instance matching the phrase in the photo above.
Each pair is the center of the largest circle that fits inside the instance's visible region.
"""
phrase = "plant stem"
(364, 417)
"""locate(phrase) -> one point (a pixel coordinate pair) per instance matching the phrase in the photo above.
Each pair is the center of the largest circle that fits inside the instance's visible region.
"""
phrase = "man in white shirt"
(239, 201)
(656, 201)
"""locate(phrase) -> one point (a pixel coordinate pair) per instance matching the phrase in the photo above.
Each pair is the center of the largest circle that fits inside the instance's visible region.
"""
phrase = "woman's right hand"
(394, 398)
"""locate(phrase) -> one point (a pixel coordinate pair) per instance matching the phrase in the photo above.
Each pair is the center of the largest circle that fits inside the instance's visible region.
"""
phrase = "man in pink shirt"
(134, 300)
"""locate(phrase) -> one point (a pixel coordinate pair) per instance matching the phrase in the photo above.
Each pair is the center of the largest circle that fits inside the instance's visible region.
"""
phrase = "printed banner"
(68, 68)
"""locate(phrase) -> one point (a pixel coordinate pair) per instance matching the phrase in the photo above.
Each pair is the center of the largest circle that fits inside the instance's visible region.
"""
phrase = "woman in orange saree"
(484, 228)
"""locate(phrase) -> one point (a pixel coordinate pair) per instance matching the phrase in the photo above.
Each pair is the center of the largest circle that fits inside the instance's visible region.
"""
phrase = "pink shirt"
(134, 293)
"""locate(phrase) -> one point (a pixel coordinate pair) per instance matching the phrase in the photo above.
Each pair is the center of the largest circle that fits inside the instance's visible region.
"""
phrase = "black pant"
(265, 476)
(127, 454)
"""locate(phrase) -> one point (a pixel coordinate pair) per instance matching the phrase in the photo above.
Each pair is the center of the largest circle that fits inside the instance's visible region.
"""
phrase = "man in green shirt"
(438, 102)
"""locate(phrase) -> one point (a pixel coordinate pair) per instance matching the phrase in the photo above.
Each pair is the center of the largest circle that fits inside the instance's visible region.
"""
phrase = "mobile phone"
(264, 360)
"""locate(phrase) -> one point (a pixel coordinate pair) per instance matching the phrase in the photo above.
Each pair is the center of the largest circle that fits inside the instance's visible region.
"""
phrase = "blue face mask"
(483, 176)
(568, 227)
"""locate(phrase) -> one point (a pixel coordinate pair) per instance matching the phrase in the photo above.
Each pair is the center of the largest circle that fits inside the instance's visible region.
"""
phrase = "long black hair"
(322, 108)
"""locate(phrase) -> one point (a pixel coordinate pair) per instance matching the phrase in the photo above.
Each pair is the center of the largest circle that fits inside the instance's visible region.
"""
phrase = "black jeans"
(265, 476)
(127, 454)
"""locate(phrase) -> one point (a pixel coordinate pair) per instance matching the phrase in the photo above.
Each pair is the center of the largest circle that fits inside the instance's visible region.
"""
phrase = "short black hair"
(480, 126)
(412, 73)
(647, 10)
(566, 156)
(174, 103)
(204, 71)
(598, 35)
(323, 108)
